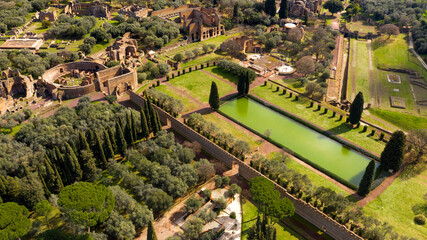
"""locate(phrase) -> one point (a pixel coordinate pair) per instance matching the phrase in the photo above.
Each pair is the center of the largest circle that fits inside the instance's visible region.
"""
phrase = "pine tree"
(120, 139)
(112, 138)
(356, 109)
(134, 126)
(392, 155)
(108, 147)
(366, 182)
(283, 11)
(214, 96)
(145, 132)
(151, 232)
(83, 144)
(71, 161)
(100, 151)
(270, 7)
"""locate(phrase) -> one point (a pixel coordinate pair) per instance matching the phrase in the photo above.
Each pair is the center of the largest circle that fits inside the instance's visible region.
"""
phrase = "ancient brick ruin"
(48, 15)
(122, 49)
(96, 9)
(12, 85)
(134, 11)
(299, 8)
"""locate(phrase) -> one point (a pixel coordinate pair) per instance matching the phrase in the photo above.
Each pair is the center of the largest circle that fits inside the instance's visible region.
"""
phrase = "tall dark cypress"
(102, 160)
(120, 139)
(112, 138)
(153, 119)
(108, 147)
(392, 155)
(51, 179)
(235, 10)
(148, 116)
(214, 97)
(241, 85)
(90, 138)
(151, 233)
(247, 83)
(356, 108)
(157, 123)
(270, 7)
(366, 182)
(83, 144)
(64, 170)
(134, 126)
(145, 131)
(128, 131)
(73, 146)
(72, 162)
(283, 11)
(46, 189)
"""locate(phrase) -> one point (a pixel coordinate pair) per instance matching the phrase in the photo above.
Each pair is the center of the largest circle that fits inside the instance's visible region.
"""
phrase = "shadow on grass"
(381, 42)
(342, 128)
(412, 170)
(228, 76)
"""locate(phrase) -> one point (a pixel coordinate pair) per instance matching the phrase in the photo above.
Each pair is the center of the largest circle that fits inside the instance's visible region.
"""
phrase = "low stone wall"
(54, 73)
(77, 91)
(305, 210)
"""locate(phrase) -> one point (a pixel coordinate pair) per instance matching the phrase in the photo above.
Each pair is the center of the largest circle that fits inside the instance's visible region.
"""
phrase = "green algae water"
(317, 148)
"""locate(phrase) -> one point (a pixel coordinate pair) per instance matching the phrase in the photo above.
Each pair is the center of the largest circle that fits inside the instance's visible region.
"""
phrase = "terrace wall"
(305, 210)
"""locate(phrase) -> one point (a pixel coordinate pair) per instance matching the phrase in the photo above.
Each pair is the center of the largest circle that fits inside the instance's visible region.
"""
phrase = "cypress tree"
(128, 133)
(73, 146)
(145, 132)
(151, 233)
(134, 126)
(241, 85)
(83, 144)
(120, 139)
(100, 151)
(392, 155)
(235, 10)
(247, 83)
(88, 164)
(283, 11)
(91, 138)
(147, 117)
(214, 96)
(112, 138)
(58, 177)
(46, 190)
(153, 120)
(356, 109)
(366, 182)
(62, 166)
(270, 7)
(109, 151)
(72, 162)
(52, 182)
(158, 124)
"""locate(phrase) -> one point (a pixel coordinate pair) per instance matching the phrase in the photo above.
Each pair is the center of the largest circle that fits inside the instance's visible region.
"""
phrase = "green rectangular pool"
(320, 150)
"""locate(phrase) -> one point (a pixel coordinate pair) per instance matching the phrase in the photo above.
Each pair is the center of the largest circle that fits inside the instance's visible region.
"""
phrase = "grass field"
(402, 120)
(223, 74)
(231, 129)
(361, 27)
(189, 104)
(395, 205)
(202, 59)
(198, 85)
(300, 109)
(250, 213)
(359, 69)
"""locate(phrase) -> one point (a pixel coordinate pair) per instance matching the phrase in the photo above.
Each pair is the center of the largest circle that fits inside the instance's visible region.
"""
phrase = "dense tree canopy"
(392, 155)
(14, 222)
(86, 204)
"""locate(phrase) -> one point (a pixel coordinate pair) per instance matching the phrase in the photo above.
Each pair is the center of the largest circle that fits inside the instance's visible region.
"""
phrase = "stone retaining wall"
(305, 210)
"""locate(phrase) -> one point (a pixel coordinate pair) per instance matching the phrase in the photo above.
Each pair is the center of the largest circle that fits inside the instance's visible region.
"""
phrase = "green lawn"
(200, 60)
(395, 53)
(361, 27)
(250, 213)
(300, 109)
(315, 178)
(223, 74)
(395, 205)
(198, 85)
(360, 70)
(233, 130)
(402, 120)
(189, 104)
(11, 133)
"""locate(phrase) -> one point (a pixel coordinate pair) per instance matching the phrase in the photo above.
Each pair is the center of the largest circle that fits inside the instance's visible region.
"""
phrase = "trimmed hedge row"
(316, 128)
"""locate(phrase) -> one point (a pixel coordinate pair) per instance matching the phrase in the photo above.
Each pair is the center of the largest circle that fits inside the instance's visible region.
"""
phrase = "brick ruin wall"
(77, 91)
(168, 12)
(305, 210)
(108, 73)
(129, 79)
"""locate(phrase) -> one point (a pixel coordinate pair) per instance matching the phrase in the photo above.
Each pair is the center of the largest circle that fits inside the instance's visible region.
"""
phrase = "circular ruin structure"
(285, 70)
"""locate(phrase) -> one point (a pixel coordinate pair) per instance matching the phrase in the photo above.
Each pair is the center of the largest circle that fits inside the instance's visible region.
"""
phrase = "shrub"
(112, 63)
(420, 219)
(233, 215)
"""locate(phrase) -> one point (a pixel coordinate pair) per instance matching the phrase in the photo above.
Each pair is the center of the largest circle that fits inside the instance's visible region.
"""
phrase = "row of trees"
(169, 104)
(67, 27)
(194, 53)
